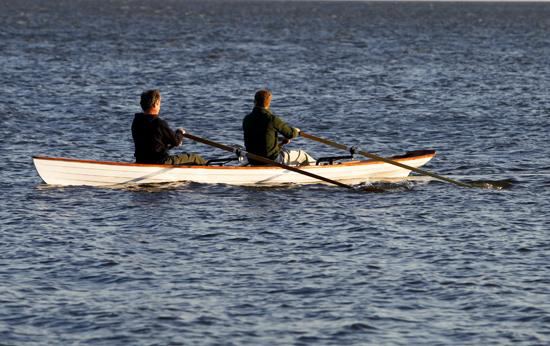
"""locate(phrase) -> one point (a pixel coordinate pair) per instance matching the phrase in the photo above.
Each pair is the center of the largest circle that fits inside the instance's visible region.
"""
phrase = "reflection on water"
(418, 261)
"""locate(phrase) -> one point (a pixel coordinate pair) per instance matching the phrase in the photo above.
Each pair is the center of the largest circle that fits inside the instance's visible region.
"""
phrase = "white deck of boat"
(64, 171)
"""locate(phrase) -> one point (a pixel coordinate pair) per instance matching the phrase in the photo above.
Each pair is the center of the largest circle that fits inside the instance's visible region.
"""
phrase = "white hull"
(62, 171)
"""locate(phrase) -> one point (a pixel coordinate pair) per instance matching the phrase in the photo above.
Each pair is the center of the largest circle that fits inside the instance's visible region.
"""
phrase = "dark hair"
(149, 98)
(261, 97)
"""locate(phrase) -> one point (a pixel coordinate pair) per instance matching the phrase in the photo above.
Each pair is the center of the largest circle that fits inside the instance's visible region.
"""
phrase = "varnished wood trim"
(429, 154)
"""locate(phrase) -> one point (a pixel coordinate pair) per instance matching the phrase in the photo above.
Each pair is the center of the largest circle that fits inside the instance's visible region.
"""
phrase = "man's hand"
(285, 141)
(298, 130)
(180, 131)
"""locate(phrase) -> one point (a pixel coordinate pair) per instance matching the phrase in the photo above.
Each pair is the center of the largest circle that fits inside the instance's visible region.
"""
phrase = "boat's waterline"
(64, 171)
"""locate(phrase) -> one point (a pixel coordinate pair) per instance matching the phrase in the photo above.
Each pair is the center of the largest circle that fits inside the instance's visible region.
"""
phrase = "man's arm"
(170, 137)
(284, 129)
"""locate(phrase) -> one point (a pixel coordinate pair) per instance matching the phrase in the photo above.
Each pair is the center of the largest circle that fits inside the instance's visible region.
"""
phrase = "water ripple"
(416, 261)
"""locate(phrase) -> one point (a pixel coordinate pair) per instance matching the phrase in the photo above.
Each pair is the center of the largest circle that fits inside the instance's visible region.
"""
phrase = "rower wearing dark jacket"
(153, 137)
(261, 128)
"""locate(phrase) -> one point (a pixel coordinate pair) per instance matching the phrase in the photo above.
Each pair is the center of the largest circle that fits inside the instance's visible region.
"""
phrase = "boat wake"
(409, 183)
(397, 185)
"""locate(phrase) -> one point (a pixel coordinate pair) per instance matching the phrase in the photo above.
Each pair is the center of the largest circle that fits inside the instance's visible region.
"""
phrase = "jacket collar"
(262, 109)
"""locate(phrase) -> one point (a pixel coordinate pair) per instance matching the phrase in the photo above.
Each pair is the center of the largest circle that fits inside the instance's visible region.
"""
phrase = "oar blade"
(380, 158)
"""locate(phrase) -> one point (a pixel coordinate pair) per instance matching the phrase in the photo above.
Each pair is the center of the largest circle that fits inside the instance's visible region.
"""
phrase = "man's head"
(150, 101)
(262, 98)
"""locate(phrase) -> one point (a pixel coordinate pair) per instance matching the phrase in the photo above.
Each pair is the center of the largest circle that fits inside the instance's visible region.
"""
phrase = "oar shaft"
(324, 141)
(265, 160)
(209, 142)
(380, 158)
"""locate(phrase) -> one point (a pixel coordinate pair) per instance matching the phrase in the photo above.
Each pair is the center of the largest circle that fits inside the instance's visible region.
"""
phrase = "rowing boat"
(67, 171)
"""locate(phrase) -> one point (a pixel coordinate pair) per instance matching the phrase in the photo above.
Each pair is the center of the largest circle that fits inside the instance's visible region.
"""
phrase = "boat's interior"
(322, 161)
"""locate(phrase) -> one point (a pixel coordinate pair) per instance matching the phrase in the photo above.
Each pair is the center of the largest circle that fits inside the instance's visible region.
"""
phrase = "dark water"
(421, 263)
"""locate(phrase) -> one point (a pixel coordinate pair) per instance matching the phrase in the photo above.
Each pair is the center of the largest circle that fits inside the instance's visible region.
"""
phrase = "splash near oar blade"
(492, 184)
(380, 158)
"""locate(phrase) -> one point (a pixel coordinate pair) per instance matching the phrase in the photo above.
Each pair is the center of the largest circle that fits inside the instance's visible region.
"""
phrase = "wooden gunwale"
(429, 154)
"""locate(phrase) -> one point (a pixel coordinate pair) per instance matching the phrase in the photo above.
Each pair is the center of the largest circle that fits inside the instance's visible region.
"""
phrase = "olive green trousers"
(185, 159)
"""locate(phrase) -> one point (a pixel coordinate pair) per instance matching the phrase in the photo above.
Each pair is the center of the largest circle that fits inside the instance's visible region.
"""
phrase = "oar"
(380, 158)
(264, 160)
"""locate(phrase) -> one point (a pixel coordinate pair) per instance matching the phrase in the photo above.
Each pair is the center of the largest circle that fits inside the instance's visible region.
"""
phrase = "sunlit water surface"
(422, 262)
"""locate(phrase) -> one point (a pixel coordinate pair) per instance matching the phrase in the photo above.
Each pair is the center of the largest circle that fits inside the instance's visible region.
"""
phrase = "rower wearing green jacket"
(261, 128)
